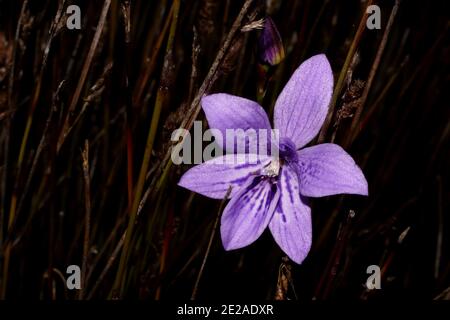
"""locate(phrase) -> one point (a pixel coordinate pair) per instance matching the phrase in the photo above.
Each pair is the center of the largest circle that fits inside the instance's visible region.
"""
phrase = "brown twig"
(209, 80)
(324, 286)
(373, 71)
(87, 219)
(341, 80)
(11, 106)
(108, 266)
(41, 146)
(440, 231)
(150, 66)
(161, 96)
(84, 72)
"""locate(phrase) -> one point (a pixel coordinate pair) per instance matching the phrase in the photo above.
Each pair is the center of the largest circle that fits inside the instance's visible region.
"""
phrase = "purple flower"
(273, 192)
(270, 45)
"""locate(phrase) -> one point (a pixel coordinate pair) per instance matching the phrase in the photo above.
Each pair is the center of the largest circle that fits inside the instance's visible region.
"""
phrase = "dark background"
(401, 142)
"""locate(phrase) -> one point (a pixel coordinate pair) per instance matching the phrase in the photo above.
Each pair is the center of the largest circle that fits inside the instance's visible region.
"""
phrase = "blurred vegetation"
(85, 123)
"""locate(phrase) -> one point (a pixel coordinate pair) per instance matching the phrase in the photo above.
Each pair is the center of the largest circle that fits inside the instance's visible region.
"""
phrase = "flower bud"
(270, 45)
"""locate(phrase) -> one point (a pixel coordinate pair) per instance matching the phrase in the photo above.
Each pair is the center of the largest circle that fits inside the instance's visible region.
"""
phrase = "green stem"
(118, 287)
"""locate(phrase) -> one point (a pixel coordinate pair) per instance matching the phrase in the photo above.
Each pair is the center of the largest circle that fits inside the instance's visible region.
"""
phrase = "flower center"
(287, 154)
(272, 169)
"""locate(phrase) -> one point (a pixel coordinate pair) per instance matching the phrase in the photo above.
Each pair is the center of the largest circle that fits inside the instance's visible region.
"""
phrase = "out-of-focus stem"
(160, 97)
(343, 74)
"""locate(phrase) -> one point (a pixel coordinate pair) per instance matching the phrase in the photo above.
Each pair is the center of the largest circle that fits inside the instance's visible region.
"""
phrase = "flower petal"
(213, 178)
(248, 213)
(224, 111)
(302, 106)
(291, 222)
(326, 169)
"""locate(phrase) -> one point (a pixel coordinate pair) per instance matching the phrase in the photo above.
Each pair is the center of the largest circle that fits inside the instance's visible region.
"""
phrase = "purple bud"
(270, 45)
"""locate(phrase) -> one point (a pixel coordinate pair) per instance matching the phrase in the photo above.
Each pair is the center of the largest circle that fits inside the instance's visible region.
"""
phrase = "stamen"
(272, 169)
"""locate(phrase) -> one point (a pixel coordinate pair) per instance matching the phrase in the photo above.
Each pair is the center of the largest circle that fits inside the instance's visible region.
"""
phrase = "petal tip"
(321, 57)
(322, 63)
(228, 244)
(227, 247)
(208, 100)
(205, 101)
(298, 257)
(181, 183)
(297, 260)
(365, 188)
(184, 183)
(301, 253)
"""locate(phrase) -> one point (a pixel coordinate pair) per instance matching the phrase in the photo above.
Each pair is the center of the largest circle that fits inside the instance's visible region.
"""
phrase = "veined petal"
(248, 213)
(243, 116)
(326, 169)
(213, 178)
(291, 222)
(302, 106)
